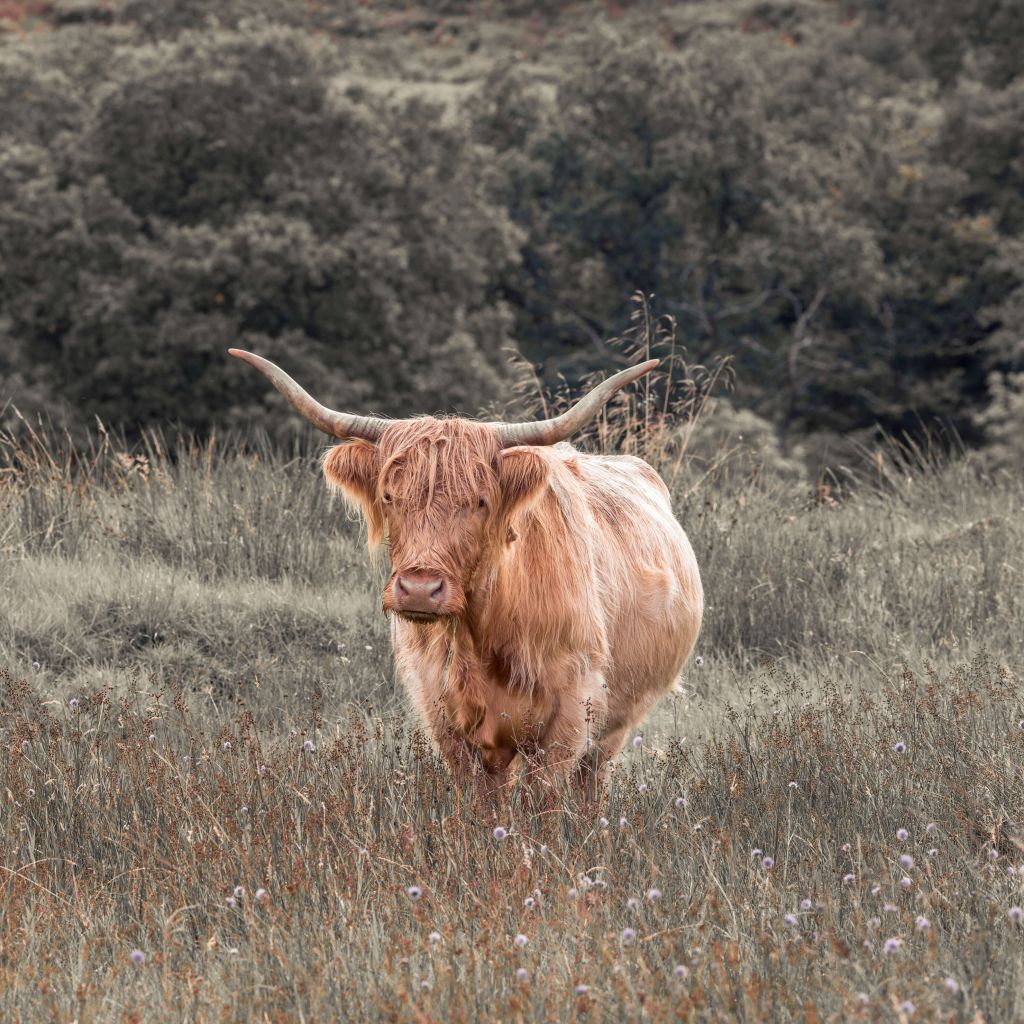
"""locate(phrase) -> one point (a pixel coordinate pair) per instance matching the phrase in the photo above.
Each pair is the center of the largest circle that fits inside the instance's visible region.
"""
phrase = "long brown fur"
(575, 596)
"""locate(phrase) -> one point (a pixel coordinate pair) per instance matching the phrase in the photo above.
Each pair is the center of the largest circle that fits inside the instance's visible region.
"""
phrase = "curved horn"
(337, 424)
(558, 429)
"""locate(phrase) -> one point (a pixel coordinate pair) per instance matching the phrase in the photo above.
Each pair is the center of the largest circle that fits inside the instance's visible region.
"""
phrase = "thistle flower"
(769, 863)
(899, 748)
(137, 957)
(521, 975)
(434, 938)
(500, 833)
(628, 936)
(681, 971)
(890, 908)
(908, 1007)
(308, 746)
(414, 892)
(35, 665)
(952, 985)
(261, 895)
(152, 737)
(892, 945)
(529, 903)
(604, 822)
(73, 703)
(521, 940)
(906, 861)
(933, 853)
(25, 744)
(653, 894)
(638, 742)
(806, 904)
(680, 801)
(632, 903)
(902, 835)
(755, 852)
(931, 828)
(226, 745)
(230, 901)
(847, 879)
(906, 882)
(793, 785)
(993, 855)
(239, 892)
(922, 922)
(543, 849)
(643, 787)
(622, 822)
(1015, 914)
(581, 990)
(789, 920)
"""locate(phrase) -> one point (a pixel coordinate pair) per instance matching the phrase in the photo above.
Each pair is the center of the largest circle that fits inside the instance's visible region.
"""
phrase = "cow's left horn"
(561, 427)
(337, 424)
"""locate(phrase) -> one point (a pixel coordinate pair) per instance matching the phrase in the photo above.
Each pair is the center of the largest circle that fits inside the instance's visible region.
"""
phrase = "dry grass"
(168, 631)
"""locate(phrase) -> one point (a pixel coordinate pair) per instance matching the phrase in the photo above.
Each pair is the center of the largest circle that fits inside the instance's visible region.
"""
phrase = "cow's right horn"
(337, 424)
(572, 420)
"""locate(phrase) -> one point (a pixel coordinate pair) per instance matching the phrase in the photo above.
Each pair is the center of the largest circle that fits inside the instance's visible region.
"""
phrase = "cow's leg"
(571, 739)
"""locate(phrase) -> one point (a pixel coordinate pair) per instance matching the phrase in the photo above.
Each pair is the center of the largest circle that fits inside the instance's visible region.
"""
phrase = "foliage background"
(391, 200)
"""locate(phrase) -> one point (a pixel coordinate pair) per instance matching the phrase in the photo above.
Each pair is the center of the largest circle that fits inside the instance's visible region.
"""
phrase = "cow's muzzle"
(421, 597)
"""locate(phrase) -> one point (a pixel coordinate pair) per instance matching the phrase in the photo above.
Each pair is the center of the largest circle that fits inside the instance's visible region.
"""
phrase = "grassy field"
(215, 806)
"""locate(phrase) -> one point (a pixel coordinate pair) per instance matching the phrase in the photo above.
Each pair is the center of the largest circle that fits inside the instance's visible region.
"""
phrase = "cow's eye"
(482, 503)
(387, 498)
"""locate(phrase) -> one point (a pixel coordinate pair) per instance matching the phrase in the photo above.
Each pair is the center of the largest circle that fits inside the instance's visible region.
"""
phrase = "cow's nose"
(423, 594)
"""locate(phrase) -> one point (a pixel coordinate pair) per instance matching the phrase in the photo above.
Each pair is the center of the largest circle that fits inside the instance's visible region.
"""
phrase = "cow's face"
(443, 493)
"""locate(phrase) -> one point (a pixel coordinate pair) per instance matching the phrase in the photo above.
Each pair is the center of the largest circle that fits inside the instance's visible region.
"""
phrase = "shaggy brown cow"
(542, 600)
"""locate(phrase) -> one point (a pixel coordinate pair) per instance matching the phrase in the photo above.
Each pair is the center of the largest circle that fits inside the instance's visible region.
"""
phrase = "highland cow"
(542, 600)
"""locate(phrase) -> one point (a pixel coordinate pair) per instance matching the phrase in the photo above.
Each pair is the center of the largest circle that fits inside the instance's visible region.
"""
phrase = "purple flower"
(922, 922)
(239, 892)
(681, 971)
(529, 903)
(622, 822)
(230, 901)
(638, 742)
(806, 904)
(521, 975)
(993, 855)
(628, 936)
(952, 985)
(755, 852)
(500, 833)
(931, 828)
(643, 787)
(632, 903)
(543, 849)
(152, 737)
(226, 745)
(137, 957)
(35, 665)
(25, 744)
(653, 894)
(1015, 914)
(789, 919)
(902, 835)
(908, 1007)
(933, 853)
(604, 822)
(792, 785)
(892, 945)
(847, 879)
(308, 746)
(261, 895)
(768, 863)
(906, 882)
(906, 861)
(680, 801)
(581, 990)
(900, 748)
(414, 892)
(73, 703)
(434, 938)
(890, 908)
(521, 940)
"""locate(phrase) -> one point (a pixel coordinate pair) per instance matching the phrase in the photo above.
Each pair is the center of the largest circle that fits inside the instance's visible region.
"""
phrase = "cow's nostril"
(436, 592)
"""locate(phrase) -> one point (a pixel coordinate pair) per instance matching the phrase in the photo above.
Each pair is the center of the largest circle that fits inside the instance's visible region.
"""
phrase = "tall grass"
(198, 695)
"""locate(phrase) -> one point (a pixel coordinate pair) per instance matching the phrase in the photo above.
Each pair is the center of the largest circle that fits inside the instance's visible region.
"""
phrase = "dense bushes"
(832, 202)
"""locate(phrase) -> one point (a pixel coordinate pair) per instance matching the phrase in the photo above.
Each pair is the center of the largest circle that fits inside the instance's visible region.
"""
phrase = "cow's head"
(443, 492)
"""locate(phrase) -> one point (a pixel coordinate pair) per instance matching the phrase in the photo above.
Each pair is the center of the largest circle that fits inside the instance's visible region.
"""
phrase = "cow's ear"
(352, 468)
(522, 477)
